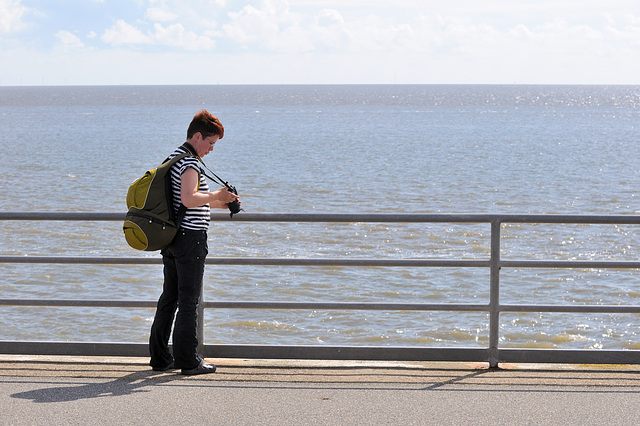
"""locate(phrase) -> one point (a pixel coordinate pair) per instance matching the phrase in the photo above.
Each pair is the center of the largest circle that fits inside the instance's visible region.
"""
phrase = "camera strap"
(217, 178)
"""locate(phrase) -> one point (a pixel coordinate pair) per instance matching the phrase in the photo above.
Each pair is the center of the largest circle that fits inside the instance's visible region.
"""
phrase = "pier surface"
(39, 390)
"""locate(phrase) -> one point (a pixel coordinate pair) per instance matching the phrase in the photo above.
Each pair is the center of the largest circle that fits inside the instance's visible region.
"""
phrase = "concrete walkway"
(37, 390)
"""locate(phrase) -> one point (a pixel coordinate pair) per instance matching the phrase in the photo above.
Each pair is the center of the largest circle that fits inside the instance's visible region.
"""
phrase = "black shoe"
(169, 366)
(202, 368)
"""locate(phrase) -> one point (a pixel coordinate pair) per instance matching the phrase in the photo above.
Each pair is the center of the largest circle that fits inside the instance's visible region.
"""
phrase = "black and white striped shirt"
(196, 218)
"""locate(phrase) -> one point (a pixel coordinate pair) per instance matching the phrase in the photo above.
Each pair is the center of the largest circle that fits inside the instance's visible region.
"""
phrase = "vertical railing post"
(494, 294)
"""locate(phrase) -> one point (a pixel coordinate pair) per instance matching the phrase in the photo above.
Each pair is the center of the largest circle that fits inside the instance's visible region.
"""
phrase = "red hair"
(206, 124)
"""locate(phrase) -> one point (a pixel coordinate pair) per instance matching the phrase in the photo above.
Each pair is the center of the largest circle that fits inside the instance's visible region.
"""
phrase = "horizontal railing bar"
(516, 355)
(254, 305)
(287, 261)
(331, 306)
(604, 309)
(74, 348)
(347, 262)
(355, 218)
(578, 264)
(348, 306)
(83, 260)
(431, 218)
(79, 303)
(568, 219)
(351, 218)
(363, 353)
(265, 261)
(85, 216)
(565, 356)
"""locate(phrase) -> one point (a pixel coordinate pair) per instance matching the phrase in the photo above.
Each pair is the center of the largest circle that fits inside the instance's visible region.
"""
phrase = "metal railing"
(493, 354)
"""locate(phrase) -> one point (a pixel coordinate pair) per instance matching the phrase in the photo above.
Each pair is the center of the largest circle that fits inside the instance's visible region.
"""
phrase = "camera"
(234, 206)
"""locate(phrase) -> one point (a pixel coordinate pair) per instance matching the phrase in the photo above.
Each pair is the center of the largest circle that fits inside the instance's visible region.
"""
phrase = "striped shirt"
(195, 218)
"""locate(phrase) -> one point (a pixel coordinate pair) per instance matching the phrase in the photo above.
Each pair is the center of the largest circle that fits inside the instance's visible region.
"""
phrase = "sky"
(130, 42)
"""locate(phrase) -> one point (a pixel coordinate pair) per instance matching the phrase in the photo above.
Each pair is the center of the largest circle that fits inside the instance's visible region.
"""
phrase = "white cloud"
(281, 26)
(174, 35)
(375, 34)
(328, 17)
(336, 41)
(123, 33)
(157, 14)
(252, 25)
(458, 28)
(11, 12)
(625, 34)
(69, 40)
(275, 28)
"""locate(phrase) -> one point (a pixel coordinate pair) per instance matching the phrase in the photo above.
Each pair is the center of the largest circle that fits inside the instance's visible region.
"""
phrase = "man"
(184, 258)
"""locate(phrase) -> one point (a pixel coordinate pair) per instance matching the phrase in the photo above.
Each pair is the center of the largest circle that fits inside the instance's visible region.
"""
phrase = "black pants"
(183, 271)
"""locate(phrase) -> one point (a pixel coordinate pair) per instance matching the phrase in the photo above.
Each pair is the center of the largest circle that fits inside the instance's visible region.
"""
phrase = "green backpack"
(150, 223)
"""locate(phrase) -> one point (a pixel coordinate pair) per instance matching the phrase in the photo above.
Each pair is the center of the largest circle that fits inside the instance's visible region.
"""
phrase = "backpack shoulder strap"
(182, 209)
(175, 159)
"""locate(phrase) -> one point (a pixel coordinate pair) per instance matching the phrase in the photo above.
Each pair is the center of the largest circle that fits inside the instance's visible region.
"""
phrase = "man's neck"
(187, 145)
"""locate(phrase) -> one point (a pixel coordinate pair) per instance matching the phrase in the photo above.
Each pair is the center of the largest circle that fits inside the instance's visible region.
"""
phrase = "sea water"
(333, 149)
